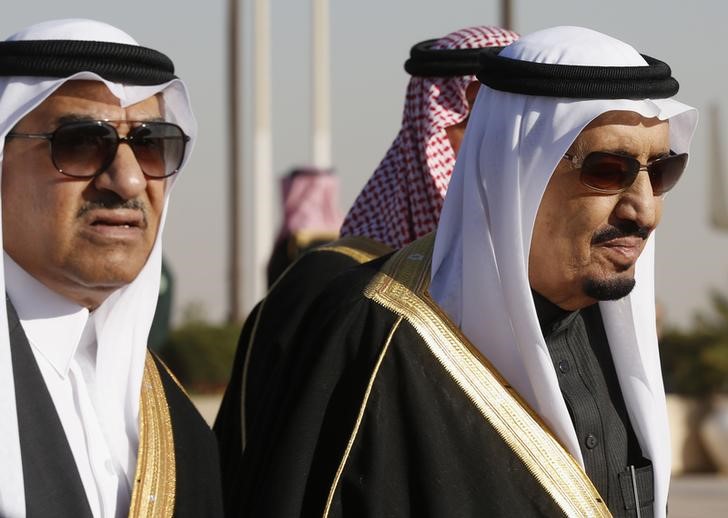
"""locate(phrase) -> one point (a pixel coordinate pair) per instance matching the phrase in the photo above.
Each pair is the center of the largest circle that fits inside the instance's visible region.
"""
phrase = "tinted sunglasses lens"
(159, 148)
(665, 172)
(606, 172)
(83, 149)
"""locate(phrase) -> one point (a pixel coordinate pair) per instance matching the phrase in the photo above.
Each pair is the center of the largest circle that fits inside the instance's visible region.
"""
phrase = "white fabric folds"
(480, 266)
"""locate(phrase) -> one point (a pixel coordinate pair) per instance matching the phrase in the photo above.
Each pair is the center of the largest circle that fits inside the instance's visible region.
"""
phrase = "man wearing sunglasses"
(94, 130)
(508, 365)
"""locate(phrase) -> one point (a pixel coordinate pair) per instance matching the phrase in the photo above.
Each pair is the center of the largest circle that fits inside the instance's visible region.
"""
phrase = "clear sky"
(370, 41)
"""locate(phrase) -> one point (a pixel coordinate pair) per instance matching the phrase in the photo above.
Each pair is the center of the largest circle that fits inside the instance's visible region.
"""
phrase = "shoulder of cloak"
(269, 335)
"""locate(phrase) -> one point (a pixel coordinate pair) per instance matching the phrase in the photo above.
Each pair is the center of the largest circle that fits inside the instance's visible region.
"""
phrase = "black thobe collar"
(550, 316)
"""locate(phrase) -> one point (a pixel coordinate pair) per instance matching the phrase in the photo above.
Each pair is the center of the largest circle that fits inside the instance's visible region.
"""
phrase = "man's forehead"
(624, 129)
(94, 99)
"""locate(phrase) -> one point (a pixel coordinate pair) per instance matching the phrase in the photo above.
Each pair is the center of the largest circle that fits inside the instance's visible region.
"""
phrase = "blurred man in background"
(311, 216)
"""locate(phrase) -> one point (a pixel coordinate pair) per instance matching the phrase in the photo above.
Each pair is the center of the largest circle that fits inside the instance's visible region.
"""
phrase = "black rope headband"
(116, 62)
(653, 81)
(424, 61)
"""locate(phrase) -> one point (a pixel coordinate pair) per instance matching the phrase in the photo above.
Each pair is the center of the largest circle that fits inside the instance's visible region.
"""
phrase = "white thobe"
(62, 336)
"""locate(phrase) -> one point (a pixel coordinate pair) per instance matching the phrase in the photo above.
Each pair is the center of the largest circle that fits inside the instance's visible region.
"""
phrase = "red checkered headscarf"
(402, 200)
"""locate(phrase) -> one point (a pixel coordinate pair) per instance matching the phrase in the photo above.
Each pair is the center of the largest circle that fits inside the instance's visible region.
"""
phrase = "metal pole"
(234, 314)
(718, 193)
(506, 14)
(258, 209)
(321, 85)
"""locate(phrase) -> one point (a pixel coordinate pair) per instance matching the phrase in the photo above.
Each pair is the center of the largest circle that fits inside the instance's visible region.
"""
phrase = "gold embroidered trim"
(359, 418)
(171, 375)
(401, 287)
(246, 361)
(361, 249)
(302, 239)
(246, 365)
(153, 495)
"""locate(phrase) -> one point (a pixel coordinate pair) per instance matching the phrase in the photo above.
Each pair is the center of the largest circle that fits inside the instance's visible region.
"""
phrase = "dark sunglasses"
(86, 149)
(610, 173)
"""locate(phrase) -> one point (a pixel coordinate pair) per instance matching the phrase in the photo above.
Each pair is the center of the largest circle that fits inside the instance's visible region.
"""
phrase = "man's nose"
(124, 176)
(639, 204)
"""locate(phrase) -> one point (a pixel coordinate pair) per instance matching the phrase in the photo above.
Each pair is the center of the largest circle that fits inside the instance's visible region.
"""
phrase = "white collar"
(52, 323)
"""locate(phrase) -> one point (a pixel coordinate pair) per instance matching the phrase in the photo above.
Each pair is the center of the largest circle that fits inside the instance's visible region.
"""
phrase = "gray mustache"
(112, 204)
(627, 229)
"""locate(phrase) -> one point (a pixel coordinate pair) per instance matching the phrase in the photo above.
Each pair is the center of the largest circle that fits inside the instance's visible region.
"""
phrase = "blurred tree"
(201, 353)
(160, 325)
(695, 362)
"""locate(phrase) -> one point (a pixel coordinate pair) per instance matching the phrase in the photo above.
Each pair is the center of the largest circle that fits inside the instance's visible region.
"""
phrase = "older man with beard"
(508, 365)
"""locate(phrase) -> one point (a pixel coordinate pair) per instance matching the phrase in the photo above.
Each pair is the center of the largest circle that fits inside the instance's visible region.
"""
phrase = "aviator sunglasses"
(611, 173)
(86, 149)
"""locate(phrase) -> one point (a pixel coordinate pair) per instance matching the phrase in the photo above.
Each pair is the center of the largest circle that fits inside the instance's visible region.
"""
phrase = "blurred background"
(369, 42)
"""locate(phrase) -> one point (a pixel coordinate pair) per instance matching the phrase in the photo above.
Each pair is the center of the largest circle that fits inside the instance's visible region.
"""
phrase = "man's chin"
(614, 288)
